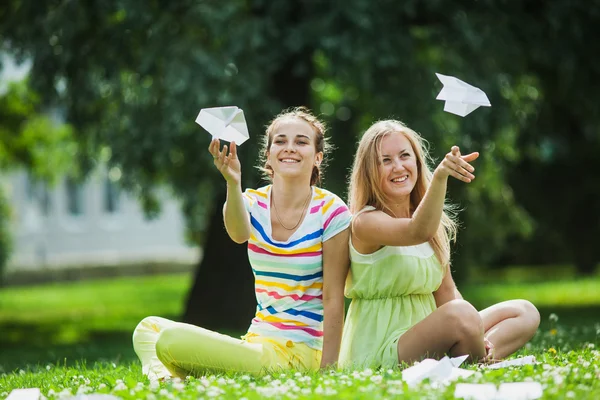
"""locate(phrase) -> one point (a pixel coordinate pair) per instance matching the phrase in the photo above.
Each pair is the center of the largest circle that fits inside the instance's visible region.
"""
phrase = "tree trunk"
(222, 296)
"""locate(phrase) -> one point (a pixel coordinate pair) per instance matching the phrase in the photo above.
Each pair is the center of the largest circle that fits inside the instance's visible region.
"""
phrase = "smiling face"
(292, 152)
(397, 167)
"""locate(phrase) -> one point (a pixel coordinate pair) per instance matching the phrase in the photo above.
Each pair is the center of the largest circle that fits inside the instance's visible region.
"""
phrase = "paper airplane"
(488, 391)
(225, 123)
(461, 98)
(511, 363)
(444, 371)
(24, 394)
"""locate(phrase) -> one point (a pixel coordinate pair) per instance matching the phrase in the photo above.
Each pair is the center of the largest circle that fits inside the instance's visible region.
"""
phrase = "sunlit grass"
(75, 338)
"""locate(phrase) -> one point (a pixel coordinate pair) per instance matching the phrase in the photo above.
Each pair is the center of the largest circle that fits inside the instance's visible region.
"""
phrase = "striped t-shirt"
(289, 275)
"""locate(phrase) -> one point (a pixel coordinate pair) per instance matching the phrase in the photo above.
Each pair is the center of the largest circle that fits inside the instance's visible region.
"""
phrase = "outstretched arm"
(235, 216)
(336, 261)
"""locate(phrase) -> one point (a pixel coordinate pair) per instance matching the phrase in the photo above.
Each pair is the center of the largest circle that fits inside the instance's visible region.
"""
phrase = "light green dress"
(391, 290)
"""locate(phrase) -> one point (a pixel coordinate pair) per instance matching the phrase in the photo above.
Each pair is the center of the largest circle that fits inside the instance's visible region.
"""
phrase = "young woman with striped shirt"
(297, 236)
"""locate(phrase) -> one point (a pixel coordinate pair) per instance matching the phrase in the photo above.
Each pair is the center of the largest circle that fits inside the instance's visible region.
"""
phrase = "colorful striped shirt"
(289, 275)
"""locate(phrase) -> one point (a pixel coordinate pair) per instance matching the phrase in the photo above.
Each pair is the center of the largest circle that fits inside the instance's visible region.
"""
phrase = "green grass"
(76, 338)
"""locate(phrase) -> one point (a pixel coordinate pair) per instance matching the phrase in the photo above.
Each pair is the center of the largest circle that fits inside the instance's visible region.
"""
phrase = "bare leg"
(509, 325)
(455, 328)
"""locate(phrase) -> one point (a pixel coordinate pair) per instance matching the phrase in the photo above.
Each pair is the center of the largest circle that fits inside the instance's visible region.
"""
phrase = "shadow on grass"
(32, 346)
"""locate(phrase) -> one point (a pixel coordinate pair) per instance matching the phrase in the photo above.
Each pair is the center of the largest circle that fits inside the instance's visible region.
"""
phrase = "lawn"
(76, 338)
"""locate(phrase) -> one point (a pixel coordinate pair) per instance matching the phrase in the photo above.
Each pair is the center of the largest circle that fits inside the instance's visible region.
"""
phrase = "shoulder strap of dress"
(365, 208)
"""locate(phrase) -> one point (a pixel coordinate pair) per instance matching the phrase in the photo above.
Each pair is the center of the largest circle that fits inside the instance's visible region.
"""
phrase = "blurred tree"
(134, 76)
(32, 140)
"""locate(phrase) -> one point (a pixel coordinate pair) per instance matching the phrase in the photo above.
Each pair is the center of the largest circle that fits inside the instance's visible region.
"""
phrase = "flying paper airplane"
(515, 362)
(488, 391)
(461, 98)
(225, 123)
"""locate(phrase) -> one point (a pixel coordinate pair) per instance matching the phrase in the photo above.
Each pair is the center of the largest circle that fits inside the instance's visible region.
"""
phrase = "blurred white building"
(73, 225)
(95, 224)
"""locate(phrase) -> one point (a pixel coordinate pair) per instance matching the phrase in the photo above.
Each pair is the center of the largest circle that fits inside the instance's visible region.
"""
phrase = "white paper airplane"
(225, 123)
(511, 363)
(461, 98)
(488, 391)
(444, 371)
(24, 394)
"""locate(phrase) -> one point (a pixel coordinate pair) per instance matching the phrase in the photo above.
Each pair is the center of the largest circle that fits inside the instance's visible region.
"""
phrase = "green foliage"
(33, 141)
(133, 78)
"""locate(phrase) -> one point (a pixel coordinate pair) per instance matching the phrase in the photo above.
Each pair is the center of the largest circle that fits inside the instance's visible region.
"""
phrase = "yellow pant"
(168, 348)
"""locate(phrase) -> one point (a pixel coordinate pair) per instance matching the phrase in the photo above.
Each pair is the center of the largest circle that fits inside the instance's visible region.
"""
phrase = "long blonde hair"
(365, 181)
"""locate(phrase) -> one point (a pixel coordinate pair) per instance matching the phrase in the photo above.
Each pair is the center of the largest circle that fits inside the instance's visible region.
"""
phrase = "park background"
(128, 79)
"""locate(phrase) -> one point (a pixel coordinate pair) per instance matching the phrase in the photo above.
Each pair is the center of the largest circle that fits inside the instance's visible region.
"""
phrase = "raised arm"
(235, 216)
(378, 228)
(336, 262)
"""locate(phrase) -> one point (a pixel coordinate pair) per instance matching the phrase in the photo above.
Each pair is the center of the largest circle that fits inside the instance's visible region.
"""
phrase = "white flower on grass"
(304, 379)
(297, 374)
(367, 372)
(306, 391)
(319, 390)
(204, 381)
(214, 391)
(587, 376)
(66, 392)
(590, 345)
(377, 379)
(179, 386)
(245, 378)
(221, 381)
(83, 389)
(267, 378)
(119, 386)
(553, 317)
(153, 385)
(48, 367)
(571, 394)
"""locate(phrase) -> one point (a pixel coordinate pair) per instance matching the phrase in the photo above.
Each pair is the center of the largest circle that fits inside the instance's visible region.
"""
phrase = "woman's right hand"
(228, 164)
(456, 165)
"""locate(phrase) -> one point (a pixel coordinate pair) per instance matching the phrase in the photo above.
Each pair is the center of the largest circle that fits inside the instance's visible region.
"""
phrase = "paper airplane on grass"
(225, 123)
(443, 371)
(512, 363)
(461, 98)
(24, 394)
(506, 391)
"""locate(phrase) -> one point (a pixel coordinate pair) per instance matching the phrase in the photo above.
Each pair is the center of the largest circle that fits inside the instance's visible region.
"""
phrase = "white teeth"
(289, 160)
(401, 179)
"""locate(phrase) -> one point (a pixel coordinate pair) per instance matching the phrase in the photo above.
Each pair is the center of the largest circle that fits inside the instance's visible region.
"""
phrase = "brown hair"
(365, 181)
(321, 142)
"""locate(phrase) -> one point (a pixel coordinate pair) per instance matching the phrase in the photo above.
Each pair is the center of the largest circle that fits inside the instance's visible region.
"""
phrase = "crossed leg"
(508, 326)
(455, 328)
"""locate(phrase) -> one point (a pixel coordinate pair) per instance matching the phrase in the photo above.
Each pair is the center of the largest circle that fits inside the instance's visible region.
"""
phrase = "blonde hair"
(321, 142)
(365, 181)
